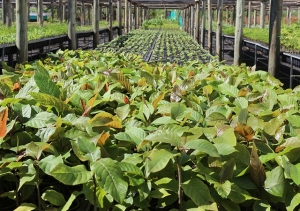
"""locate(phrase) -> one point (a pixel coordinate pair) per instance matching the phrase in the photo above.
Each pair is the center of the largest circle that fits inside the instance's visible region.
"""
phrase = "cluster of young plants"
(135, 42)
(127, 135)
(35, 32)
(160, 24)
(289, 38)
(177, 46)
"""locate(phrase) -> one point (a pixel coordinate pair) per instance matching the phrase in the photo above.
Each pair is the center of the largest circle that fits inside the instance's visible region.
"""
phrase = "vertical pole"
(135, 16)
(95, 23)
(249, 14)
(13, 6)
(227, 15)
(107, 13)
(119, 8)
(82, 13)
(209, 28)
(8, 13)
(166, 13)
(298, 14)
(183, 19)
(100, 12)
(4, 8)
(130, 17)
(40, 17)
(148, 13)
(111, 16)
(138, 15)
(238, 32)
(262, 14)
(126, 16)
(52, 10)
(197, 20)
(288, 15)
(89, 14)
(274, 36)
(202, 41)
(189, 19)
(233, 15)
(60, 11)
(192, 20)
(28, 10)
(255, 17)
(71, 24)
(219, 29)
(21, 30)
(65, 17)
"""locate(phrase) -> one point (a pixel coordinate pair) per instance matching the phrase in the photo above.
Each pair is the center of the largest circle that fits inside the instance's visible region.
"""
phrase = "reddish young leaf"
(257, 170)
(3, 121)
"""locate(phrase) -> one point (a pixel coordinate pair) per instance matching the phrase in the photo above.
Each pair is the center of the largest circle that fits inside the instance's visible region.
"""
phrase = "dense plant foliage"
(127, 134)
(160, 23)
(35, 32)
(289, 35)
(158, 45)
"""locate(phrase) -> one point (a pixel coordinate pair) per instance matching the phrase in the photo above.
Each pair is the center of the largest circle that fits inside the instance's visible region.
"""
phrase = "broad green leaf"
(71, 175)
(111, 178)
(43, 119)
(73, 196)
(227, 137)
(122, 112)
(225, 149)
(164, 120)
(54, 197)
(164, 137)
(137, 135)
(45, 84)
(88, 190)
(196, 190)
(215, 118)
(241, 102)
(228, 89)
(229, 205)
(49, 162)
(294, 120)
(295, 173)
(48, 100)
(130, 168)
(239, 195)
(167, 183)
(144, 190)
(243, 116)
(272, 126)
(26, 207)
(223, 189)
(177, 111)
(227, 170)
(294, 203)
(275, 183)
(203, 146)
(156, 160)
(85, 149)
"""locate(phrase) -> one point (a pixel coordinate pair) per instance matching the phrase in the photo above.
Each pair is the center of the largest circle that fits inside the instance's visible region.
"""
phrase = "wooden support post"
(183, 19)
(288, 15)
(219, 29)
(52, 10)
(82, 13)
(8, 13)
(13, 7)
(249, 14)
(203, 21)
(3, 12)
(138, 15)
(192, 20)
(135, 16)
(28, 10)
(119, 8)
(213, 14)
(166, 13)
(298, 14)
(21, 30)
(100, 12)
(233, 16)
(96, 23)
(126, 16)
(40, 18)
(227, 15)
(65, 16)
(197, 20)
(89, 14)
(129, 16)
(189, 20)
(262, 14)
(111, 16)
(239, 24)
(255, 17)
(209, 28)
(72, 23)
(107, 14)
(60, 11)
(274, 36)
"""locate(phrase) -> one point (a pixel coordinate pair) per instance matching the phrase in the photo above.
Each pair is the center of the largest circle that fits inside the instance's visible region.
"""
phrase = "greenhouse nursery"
(111, 105)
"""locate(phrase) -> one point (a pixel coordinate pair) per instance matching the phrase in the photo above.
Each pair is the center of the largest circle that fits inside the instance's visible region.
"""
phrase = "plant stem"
(38, 188)
(95, 189)
(179, 184)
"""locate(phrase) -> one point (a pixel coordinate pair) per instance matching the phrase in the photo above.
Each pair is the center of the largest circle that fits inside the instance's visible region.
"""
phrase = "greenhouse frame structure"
(190, 10)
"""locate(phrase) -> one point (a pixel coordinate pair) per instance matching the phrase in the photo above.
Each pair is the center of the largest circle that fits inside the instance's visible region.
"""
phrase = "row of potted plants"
(128, 135)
